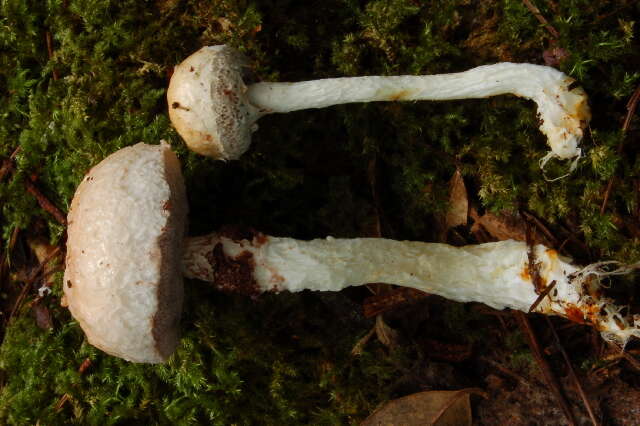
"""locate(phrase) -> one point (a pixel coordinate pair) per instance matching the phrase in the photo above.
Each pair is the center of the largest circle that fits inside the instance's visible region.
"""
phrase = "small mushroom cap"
(123, 280)
(207, 103)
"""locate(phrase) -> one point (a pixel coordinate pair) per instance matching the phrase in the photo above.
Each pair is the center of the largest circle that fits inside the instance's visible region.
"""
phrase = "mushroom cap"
(207, 103)
(123, 277)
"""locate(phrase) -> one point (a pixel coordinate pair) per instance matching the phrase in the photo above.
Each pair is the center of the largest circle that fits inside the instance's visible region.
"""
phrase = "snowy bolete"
(215, 112)
(126, 253)
(123, 279)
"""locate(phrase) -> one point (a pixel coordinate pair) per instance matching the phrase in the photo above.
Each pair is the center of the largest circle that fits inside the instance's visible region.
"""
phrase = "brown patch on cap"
(234, 274)
(165, 323)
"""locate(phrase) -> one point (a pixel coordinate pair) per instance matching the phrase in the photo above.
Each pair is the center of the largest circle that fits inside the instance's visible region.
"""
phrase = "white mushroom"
(215, 112)
(125, 255)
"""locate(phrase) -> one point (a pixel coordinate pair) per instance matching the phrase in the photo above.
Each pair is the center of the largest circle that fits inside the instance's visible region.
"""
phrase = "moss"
(239, 362)
(286, 360)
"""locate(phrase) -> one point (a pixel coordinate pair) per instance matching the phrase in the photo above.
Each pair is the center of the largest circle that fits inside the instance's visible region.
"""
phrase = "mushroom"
(215, 112)
(126, 254)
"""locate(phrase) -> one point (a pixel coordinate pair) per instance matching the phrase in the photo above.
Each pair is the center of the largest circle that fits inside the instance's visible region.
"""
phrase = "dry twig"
(511, 373)
(29, 281)
(631, 360)
(49, 41)
(539, 226)
(632, 105)
(533, 265)
(6, 166)
(536, 12)
(44, 202)
(572, 373)
(542, 295)
(548, 374)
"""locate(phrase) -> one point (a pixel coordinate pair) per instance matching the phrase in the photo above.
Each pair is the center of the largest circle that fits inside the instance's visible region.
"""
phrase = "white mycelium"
(215, 112)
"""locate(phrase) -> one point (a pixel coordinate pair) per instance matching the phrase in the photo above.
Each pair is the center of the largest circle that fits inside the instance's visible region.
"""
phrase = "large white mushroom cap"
(123, 280)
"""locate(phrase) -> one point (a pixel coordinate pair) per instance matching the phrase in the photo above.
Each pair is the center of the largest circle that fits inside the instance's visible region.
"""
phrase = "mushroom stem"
(215, 112)
(496, 274)
(562, 108)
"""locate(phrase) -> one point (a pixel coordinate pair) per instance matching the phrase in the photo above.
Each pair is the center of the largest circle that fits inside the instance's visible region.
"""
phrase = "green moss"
(239, 362)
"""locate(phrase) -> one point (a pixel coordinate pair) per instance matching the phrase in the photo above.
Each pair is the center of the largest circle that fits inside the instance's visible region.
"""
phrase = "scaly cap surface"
(123, 280)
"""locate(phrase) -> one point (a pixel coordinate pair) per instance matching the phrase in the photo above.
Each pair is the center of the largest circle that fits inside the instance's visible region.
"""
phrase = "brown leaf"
(554, 56)
(506, 226)
(45, 253)
(458, 202)
(43, 316)
(358, 348)
(386, 335)
(425, 408)
(62, 401)
(501, 227)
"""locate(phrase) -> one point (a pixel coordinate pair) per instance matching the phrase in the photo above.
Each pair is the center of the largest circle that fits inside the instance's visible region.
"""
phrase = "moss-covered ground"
(80, 79)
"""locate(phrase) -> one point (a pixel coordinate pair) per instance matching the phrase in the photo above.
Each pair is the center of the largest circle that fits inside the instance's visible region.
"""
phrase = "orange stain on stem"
(398, 96)
(575, 314)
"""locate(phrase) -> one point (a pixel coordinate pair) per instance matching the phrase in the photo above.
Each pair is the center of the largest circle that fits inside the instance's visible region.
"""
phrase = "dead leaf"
(45, 253)
(43, 316)
(554, 56)
(386, 335)
(358, 348)
(501, 227)
(505, 226)
(458, 202)
(225, 24)
(441, 408)
(63, 400)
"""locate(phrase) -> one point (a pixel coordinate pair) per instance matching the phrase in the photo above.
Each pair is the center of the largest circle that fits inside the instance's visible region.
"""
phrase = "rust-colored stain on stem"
(400, 95)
